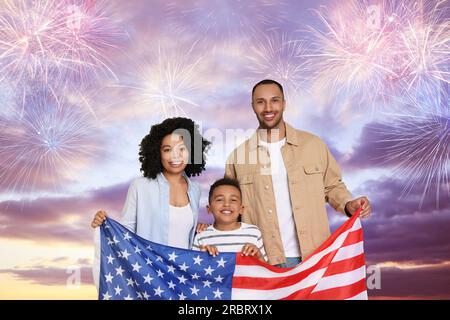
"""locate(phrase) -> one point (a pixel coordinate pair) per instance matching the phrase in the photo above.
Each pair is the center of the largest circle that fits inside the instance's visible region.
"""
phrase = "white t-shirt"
(181, 221)
(282, 199)
(232, 240)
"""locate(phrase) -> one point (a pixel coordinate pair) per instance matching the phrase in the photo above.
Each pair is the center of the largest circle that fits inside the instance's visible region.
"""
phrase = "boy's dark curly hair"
(150, 154)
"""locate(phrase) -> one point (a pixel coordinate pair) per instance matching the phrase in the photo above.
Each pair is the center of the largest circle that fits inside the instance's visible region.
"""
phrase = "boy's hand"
(212, 250)
(99, 218)
(201, 227)
(250, 249)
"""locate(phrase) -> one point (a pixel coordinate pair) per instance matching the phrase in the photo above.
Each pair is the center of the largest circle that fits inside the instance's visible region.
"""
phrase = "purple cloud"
(45, 219)
(49, 276)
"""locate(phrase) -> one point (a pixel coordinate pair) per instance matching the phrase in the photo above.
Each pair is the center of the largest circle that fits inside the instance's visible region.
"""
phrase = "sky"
(82, 82)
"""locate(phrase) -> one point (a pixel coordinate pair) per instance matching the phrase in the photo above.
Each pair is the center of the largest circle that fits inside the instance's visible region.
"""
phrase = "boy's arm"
(196, 244)
(260, 245)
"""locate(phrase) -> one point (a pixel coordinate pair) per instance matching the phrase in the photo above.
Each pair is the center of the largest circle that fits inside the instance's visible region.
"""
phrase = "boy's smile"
(226, 207)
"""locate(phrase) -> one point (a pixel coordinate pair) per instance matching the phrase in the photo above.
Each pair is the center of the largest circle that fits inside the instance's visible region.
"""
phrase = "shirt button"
(269, 211)
(266, 187)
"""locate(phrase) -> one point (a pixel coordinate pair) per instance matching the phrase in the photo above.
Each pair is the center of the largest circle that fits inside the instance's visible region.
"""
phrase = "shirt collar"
(291, 138)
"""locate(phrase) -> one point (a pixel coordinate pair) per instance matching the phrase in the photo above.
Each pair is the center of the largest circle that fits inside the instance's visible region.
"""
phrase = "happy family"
(270, 203)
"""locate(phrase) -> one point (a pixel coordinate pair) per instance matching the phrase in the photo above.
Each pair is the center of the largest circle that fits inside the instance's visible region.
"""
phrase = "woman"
(162, 206)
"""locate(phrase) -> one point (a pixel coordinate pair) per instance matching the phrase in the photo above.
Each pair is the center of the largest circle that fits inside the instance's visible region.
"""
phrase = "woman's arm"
(129, 211)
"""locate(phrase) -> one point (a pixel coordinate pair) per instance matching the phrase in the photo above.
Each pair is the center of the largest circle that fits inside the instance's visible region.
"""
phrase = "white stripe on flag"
(341, 279)
(350, 251)
(359, 296)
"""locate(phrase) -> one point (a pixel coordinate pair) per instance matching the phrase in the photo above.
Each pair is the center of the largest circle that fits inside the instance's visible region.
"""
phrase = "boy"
(228, 234)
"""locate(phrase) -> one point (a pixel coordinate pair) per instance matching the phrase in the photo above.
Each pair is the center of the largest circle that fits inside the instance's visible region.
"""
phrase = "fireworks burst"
(48, 38)
(348, 52)
(281, 58)
(367, 51)
(422, 48)
(225, 19)
(45, 145)
(170, 81)
(417, 143)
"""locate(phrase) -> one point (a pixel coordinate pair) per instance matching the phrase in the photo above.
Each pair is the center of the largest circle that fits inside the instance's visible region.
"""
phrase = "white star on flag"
(137, 250)
(119, 270)
(124, 254)
(136, 267)
(106, 296)
(182, 279)
(218, 293)
(171, 285)
(158, 291)
(221, 263)
(198, 260)
(148, 279)
(194, 290)
(110, 259)
(172, 256)
(109, 277)
(184, 266)
(126, 236)
(209, 271)
(171, 269)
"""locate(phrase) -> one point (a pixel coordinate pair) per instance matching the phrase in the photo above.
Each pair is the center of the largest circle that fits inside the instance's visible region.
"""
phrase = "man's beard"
(262, 124)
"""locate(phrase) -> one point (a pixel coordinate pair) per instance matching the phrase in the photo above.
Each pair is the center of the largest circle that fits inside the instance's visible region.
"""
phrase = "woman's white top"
(181, 221)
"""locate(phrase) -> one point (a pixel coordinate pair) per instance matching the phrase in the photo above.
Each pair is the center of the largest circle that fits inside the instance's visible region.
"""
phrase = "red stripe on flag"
(345, 265)
(353, 237)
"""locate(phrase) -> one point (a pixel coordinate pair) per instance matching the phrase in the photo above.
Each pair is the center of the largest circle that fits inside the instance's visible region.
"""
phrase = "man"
(286, 176)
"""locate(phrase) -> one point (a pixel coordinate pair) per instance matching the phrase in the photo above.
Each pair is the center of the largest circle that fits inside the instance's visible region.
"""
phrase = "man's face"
(268, 103)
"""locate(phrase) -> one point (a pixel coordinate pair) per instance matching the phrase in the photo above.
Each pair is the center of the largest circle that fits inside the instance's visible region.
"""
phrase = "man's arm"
(336, 192)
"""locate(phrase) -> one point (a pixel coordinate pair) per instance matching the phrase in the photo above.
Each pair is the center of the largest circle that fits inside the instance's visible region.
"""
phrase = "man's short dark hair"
(268, 81)
(224, 182)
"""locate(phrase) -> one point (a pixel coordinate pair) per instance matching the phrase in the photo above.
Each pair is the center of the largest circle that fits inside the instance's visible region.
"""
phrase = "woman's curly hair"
(150, 154)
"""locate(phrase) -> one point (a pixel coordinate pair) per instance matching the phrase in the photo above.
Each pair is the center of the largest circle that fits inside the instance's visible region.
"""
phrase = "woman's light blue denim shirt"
(146, 209)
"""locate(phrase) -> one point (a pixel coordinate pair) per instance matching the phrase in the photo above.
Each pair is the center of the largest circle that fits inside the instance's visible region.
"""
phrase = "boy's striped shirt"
(230, 241)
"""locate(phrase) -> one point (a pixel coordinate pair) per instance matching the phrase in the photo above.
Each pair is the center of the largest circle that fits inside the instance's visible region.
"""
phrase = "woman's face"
(174, 154)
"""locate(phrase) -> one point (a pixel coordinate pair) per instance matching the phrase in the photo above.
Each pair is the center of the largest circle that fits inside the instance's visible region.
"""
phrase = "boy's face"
(225, 204)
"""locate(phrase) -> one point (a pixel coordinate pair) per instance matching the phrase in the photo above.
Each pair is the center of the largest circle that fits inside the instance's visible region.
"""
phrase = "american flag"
(134, 268)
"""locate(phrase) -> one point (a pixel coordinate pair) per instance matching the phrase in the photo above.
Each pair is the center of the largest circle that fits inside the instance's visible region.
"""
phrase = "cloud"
(52, 276)
(425, 283)
(398, 229)
(372, 147)
(59, 219)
